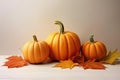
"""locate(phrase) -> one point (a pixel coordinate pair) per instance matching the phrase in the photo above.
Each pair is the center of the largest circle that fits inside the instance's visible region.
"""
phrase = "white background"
(49, 72)
(20, 19)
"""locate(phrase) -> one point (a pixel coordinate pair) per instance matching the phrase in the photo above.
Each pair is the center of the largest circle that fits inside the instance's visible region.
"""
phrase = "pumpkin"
(94, 49)
(63, 44)
(35, 51)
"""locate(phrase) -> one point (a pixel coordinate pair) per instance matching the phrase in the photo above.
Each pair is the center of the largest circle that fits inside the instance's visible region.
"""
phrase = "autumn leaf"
(91, 64)
(14, 58)
(15, 61)
(66, 64)
(112, 57)
(78, 59)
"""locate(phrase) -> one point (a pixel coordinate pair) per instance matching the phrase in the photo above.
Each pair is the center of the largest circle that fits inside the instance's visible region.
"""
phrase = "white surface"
(20, 19)
(47, 72)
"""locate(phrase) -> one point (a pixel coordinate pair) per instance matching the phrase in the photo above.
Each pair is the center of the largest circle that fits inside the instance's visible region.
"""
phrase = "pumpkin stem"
(61, 26)
(35, 38)
(91, 38)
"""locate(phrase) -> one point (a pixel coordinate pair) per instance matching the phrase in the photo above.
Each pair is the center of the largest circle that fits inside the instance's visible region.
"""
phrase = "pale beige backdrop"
(20, 19)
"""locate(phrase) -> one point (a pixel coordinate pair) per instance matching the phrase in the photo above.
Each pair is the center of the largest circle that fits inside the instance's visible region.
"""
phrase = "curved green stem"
(61, 26)
(35, 38)
(91, 38)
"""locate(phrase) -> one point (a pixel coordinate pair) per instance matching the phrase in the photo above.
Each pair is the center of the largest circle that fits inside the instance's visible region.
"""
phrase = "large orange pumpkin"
(63, 44)
(35, 51)
(94, 49)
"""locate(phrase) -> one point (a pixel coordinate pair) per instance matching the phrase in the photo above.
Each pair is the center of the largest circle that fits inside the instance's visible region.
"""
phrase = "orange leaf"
(15, 61)
(66, 64)
(91, 64)
(15, 58)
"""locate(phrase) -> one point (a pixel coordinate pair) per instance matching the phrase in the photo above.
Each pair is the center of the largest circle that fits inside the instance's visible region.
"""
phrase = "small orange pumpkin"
(94, 49)
(35, 51)
(64, 44)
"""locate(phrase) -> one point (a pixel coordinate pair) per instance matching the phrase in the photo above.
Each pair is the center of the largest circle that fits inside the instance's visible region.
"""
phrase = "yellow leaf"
(66, 64)
(111, 57)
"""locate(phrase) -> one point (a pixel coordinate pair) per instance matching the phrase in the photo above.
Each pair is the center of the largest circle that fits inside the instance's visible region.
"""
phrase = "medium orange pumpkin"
(35, 51)
(94, 49)
(64, 44)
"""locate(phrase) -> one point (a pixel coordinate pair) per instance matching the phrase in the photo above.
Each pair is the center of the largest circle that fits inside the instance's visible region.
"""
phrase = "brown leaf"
(91, 64)
(66, 64)
(78, 59)
(15, 61)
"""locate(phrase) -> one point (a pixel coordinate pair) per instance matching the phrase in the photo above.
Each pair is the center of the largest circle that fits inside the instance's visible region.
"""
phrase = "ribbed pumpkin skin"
(64, 44)
(35, 51)
(94, 50)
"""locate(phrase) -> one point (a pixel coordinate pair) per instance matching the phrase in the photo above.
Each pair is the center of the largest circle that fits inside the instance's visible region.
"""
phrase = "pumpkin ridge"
(87, 53)
(52, 39)
(103, 52)
(26, 55)
(46, 48)
(90, 53)
(33, 51)
(59, 47)
(40, 49)
(73, 43)
(76, 39)
(39, 52)
(55, 46)
(70, 44)
(63, 46)
(100, 47)
(97, 53)
(66, 45)
(29, 52)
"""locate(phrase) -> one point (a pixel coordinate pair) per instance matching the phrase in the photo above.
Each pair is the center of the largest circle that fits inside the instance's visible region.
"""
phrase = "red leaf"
(78, 59)
(91, 64)
(15, 61)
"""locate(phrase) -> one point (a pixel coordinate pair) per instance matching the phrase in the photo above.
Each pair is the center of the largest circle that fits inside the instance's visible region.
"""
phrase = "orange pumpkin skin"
(35, 51)
(63, 45)
(94, 50)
